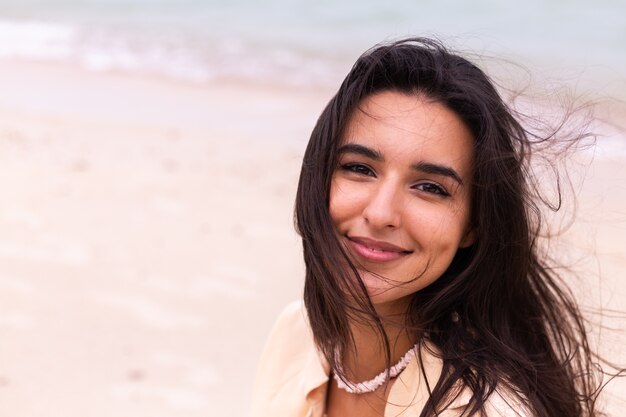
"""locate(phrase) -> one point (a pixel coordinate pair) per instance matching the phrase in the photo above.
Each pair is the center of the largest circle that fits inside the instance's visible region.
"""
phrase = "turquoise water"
(307, 42)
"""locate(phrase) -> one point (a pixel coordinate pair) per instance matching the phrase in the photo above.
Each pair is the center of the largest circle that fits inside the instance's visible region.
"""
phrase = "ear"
(468, 238)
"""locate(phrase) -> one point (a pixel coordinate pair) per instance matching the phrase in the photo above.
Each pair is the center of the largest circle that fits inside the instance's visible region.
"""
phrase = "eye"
(358, 169)
(432, 188)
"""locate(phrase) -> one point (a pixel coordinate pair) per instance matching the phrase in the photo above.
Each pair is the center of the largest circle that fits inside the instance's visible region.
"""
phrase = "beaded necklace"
(374, 383)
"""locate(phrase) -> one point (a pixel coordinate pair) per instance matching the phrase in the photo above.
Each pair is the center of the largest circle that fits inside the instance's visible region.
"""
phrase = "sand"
(146, 239)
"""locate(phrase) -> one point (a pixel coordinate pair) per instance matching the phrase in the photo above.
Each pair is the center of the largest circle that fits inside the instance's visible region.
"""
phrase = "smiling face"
(400, 194)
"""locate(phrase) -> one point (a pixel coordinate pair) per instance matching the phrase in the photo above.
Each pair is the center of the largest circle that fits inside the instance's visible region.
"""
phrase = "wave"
(180, 54)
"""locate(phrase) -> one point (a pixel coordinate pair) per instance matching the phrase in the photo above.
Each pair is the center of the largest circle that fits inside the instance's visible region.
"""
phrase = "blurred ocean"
(300, 42)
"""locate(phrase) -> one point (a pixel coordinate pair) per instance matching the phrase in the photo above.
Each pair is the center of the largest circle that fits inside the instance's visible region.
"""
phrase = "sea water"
(304, 42)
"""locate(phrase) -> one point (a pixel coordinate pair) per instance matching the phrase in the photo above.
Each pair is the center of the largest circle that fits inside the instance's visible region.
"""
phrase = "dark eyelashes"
(431, 187)
(427, 187)
(358, 169)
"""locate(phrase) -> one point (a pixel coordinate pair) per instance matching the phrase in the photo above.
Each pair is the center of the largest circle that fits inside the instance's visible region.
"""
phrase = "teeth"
(376, 250)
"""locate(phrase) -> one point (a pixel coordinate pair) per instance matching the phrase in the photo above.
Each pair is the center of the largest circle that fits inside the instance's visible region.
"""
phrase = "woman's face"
(400, 194)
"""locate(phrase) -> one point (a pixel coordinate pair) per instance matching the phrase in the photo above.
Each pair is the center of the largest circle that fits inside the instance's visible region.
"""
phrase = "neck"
(366, 357)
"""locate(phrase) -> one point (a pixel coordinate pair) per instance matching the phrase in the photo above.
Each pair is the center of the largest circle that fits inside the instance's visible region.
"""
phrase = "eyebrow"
(360, 150)
(426, 167)
(438, 170)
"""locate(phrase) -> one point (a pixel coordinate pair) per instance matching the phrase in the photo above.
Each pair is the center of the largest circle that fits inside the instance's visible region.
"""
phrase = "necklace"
(374, 383)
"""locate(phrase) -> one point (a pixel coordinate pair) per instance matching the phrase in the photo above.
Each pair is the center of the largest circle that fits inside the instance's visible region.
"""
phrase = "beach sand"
(147, 241)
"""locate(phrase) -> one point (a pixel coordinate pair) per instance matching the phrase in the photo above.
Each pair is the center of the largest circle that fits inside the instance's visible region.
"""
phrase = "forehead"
(411, 127)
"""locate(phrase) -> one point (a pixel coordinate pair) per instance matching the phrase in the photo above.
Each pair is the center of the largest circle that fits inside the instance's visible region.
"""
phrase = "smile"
(376, 251)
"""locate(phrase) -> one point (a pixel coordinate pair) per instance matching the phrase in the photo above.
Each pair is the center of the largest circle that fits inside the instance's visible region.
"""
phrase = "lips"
(376, 250)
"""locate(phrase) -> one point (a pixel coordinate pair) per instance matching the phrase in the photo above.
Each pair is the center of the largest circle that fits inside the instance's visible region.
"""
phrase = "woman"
(425, 292)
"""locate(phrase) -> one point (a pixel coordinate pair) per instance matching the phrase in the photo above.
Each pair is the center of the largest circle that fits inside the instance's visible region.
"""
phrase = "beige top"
(292, 378)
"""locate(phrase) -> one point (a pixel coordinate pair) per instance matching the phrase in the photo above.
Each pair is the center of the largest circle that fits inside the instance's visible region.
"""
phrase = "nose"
(384, 206)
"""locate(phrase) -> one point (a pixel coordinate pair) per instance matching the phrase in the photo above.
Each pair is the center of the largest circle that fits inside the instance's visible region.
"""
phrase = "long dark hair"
(500, 315)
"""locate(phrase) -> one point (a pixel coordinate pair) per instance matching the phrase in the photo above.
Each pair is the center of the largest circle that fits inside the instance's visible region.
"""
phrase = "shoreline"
(59, 90)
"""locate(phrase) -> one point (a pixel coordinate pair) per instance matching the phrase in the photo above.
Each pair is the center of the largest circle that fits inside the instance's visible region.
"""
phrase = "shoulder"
(289, 341)
(292, 320)
(289, 367)
(410, 393)
(501, 403)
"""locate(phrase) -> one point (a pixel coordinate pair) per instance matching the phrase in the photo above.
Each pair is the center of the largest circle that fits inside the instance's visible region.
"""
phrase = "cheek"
(342, 205)
(336, 205)
(440, 230)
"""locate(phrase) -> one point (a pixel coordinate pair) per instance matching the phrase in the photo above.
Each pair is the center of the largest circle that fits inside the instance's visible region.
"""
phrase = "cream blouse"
(293, 377)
